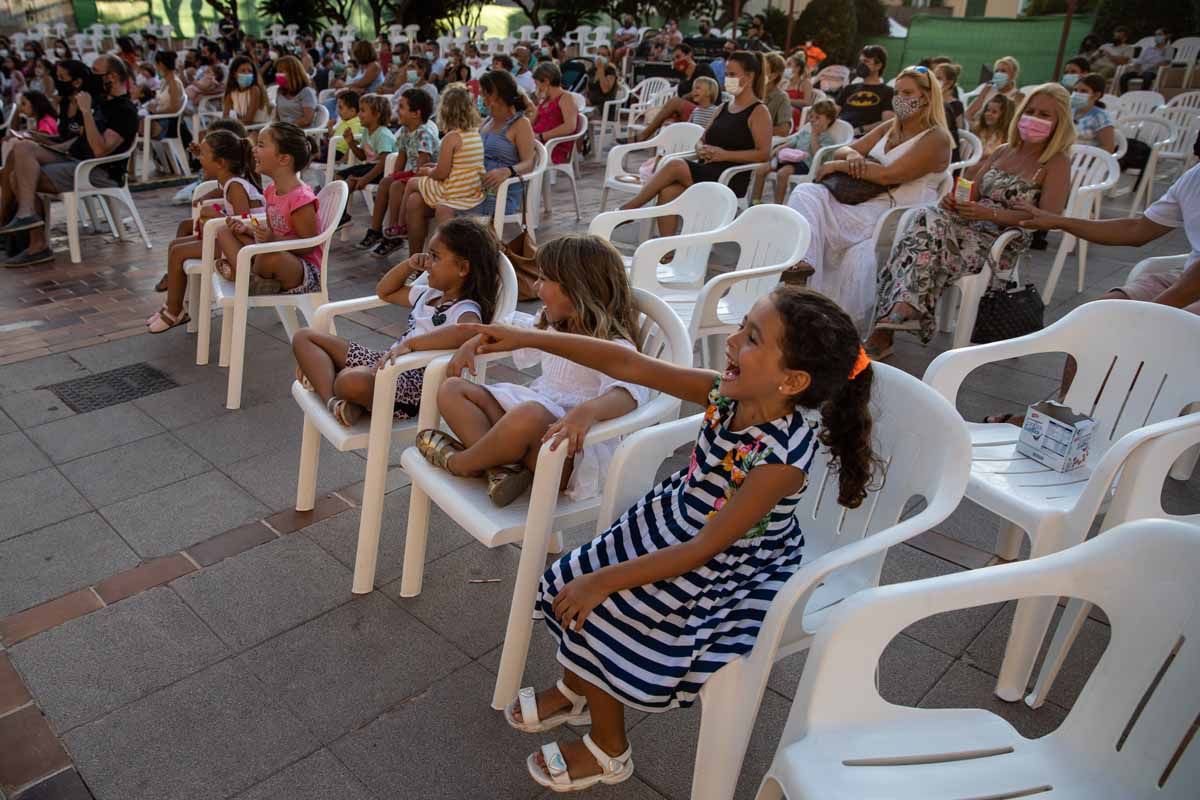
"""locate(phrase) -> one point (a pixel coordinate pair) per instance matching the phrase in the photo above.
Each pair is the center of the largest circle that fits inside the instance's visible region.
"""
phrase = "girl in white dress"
(501, 427)
(909, 154)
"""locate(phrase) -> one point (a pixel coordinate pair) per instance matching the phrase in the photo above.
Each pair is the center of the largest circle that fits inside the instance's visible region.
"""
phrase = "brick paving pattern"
(170, 627)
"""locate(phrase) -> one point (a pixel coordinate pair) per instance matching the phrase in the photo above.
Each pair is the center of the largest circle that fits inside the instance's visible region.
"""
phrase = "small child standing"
(229, 161)
(417, 141)
(282, 150)
(680, 584)
(370, 148)
(502, 426)
(463, 269)
(455, 183)
(793, 156)
(347, 119)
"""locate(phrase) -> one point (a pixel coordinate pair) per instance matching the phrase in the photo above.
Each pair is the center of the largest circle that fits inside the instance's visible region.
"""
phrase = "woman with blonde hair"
(455, 182)
(907, 158)
(1005, 72)
(955, 238)
(296, 100)
(775, 98)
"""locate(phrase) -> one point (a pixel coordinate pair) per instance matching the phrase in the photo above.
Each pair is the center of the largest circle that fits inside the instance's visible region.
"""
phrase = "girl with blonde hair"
(501, 427)
(907, 156)
(455, 182)
(955, 238)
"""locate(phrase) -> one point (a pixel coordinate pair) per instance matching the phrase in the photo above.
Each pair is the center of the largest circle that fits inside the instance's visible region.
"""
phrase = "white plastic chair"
(534, 184)
(715, 308)
(1093, 172)
(531, 520)
(1138, 496)
(703, 207)
(924, 446)
(1186, 100)
(85, 191)
(235, 299)
(1120, 740)
(1183, 54)
(171, 146)
(1156, 131)
(199, 271)
(1145, 41)
(1127, 379)
(970, 151)
(1134, 103)
(843, 134)
(376, 432)
(640, 114)
(642, 94)
(567, 168)
(678, 138)
(1179, 154)
(609, 122)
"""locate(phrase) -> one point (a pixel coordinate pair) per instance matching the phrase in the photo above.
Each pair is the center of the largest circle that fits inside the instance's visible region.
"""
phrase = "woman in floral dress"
(955, 238)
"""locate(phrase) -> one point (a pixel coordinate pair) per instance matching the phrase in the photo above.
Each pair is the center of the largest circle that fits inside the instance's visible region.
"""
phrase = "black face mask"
(862, 70)
(64, 88)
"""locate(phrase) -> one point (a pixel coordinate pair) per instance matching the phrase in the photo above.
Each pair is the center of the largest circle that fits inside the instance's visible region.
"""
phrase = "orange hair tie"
(862, 362)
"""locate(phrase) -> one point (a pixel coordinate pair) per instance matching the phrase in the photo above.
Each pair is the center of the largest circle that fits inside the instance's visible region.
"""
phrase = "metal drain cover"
(110, 388)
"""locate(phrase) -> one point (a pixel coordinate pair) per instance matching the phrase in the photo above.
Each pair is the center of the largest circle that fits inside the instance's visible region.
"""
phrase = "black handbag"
(851, 191)
(1007, 311)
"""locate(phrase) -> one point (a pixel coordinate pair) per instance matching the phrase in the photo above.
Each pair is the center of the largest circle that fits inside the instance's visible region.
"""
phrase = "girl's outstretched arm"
(611, 358)
(764, 487)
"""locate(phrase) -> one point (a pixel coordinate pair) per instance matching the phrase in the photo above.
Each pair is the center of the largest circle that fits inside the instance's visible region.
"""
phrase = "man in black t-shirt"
(110, 127)
(869, 102)
(680, 107)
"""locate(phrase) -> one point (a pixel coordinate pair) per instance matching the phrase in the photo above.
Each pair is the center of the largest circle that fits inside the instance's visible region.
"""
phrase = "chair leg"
(416, 538)
(145, 171)
(603, 199)
(287, 315)
(727, 718)
(1069, 626)
(203, 317)
(1030, 623)
(1008, 542)
(1060, 259)
(226, 335)
(193, 302)
(310, 453)
(575, 194)
(237, 356)
(71, 212)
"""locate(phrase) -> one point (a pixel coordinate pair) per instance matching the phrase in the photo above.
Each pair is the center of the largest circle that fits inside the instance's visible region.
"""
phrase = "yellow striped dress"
(463, 187)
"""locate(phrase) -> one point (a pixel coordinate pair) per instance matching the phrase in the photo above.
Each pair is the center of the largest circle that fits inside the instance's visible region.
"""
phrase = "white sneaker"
(184, 196)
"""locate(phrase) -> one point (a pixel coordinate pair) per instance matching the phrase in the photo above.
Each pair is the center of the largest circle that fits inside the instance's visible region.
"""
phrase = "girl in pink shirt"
(36, 106)
(282, 151)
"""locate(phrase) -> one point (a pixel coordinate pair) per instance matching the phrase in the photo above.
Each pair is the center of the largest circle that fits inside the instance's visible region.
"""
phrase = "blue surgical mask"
(1160, 40)
(1080, 100)
(245, 80)
(1070, 79)
(1000, 80)
(412, 76)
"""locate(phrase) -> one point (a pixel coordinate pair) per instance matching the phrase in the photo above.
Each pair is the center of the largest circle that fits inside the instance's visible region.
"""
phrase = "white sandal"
(529, 722)
(614, 769)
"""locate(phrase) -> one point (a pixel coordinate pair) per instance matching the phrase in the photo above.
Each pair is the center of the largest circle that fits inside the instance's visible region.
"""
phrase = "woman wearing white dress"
(911, 154)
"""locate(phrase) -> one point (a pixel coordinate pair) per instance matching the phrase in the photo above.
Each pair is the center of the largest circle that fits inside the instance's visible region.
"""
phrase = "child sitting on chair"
(794, 156)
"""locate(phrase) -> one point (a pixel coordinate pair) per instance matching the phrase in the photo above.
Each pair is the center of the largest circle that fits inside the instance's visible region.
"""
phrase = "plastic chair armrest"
(323, 320)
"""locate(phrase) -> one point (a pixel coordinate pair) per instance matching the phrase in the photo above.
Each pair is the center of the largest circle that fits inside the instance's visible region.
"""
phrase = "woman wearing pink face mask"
(296, 101)
(955, 238)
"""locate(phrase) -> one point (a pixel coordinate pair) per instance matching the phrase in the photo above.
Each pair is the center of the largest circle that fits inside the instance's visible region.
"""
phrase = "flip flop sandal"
(1000, 419)
(508, 482)
(437, 447)
(163, 321)
(161, 286)
(260, 285)
(614, 769)
(345, 412)
(303, 380)
(224, 269)
(150, 318)
(577, 714)
(395, 232)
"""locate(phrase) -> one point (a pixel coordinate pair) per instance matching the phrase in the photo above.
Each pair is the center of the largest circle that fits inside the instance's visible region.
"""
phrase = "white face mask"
(789, 73)
(733, 85)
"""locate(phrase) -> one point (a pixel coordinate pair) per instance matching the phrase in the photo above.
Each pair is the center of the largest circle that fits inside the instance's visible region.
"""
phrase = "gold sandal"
(345, 412)
(508, 482)
(305, 383)
(437, 446)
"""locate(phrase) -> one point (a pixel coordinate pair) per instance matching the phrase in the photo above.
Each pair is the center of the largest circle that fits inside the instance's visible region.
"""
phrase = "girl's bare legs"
(395, 204)
(417, 215)
(674, 171)
(287, 268)
(382, 202)
(229, 245)
(321, 357)
(782, 177)
(181, 250)
(492, 437)
(185, 228)
(760, 179)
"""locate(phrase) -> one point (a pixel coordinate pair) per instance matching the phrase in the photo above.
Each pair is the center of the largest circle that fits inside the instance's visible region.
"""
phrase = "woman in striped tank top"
(455, 183)
(680, 584)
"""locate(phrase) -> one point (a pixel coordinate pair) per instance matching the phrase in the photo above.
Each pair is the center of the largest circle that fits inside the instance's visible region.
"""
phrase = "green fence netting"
(974, 41)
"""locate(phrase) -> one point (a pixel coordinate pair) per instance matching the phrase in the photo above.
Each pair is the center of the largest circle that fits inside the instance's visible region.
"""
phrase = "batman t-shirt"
(864, 103)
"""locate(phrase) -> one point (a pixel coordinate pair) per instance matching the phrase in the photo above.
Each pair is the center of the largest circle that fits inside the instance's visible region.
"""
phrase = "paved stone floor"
(170, 629)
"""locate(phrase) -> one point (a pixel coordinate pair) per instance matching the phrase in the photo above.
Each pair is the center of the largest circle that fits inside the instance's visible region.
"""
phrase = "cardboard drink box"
(1056, 436)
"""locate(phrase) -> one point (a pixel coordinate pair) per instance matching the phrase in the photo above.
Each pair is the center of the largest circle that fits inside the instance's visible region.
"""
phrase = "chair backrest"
(662, 335)
(1140, 102)
(1152, 129)
(1185, 51)
(320, 119)
(1187, 125)
(1111, 103)
(1134, 716)
(1089, 166)
(677, 138)
(703, 207)
(1188, 100)
(650, 87)
(970, 150)
(783, 247)
(533, 193)
(331, 204)
(1130, 370)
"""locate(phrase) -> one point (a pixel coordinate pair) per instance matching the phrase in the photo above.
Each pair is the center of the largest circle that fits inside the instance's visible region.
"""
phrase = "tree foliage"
(831, 25)
(872, 18)
(1038, 8)
(1143, 16)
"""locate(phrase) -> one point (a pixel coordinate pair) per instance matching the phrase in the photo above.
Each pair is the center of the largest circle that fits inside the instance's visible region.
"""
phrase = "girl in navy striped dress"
(679, 585)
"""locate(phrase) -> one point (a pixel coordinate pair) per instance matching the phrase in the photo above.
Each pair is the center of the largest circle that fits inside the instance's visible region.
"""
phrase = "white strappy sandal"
(577, 714)
(614, 769)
